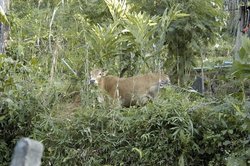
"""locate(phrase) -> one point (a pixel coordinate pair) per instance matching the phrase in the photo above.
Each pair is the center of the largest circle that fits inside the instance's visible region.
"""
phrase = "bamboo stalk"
(54, 54)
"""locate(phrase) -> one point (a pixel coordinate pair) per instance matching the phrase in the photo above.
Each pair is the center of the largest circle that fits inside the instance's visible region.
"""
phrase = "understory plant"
(172, 130)
(45, 93)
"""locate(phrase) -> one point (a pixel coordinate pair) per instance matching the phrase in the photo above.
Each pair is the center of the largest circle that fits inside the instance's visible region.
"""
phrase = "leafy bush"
(45, 95)
(172, 130)
(24, 96)
(18, 106)
(241, 65)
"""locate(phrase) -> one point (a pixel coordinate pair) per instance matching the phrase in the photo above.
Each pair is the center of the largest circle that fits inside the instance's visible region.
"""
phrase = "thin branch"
(54, 54)
(70, 68)
(50, 28)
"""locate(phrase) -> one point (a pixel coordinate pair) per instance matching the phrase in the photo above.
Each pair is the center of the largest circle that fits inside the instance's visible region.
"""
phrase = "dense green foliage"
(173, 130)
(44, 91)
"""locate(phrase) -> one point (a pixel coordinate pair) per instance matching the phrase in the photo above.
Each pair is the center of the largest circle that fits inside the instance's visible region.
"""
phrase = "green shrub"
(172, 130)
(18, 106)
(53, 42)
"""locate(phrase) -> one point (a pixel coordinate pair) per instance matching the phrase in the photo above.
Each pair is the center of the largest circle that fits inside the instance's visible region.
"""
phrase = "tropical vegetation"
(45, 94)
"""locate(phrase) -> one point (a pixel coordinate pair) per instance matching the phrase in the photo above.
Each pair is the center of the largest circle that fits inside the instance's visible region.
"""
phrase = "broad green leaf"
(2, 118)
(242, 54)
(246, 44)
(179, 15)
(3, 17)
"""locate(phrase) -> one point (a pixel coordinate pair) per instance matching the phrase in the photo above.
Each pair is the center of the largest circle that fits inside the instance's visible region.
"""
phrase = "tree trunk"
(4, 29)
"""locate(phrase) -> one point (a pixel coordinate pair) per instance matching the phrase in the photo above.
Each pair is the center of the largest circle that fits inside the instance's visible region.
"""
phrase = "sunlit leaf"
(138, 151)
(2, 118)
(3, 17)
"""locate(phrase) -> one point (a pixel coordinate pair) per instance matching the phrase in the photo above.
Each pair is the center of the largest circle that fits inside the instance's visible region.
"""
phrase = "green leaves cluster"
(173, 130)
(133, 39)
(194, 34)
(124, 36)
(241, 65)
(3, 17)
(18, 105)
